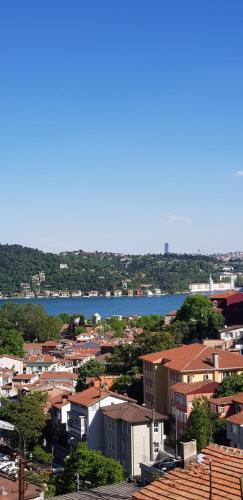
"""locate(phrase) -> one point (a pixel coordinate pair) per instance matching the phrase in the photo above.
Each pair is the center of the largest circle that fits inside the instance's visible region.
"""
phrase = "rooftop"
(52, 375)
(193, 482)
(132, 413)
(10, 489)
(195, 387)
(94, 394)
(119, 491)
(195, 357)
(237, 418)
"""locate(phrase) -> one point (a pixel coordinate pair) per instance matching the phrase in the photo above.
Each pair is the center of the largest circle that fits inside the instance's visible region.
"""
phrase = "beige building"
(191, 363)
(133, 434)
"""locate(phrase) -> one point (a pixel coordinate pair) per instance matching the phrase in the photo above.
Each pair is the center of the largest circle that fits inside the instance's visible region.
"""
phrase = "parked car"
(5, 465)
(4, 458)
(167, 464)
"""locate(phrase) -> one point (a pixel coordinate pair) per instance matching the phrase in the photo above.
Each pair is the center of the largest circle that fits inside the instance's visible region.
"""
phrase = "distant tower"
(210, 283)
(166, 250)
(232, 281)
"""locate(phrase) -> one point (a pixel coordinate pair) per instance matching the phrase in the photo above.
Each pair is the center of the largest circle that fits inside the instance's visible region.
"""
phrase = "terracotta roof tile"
(195, 387)
(236, 419)
(195, 357)
(193, 483)
(93, 394)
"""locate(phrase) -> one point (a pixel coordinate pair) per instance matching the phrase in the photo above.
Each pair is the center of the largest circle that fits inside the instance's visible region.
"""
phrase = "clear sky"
(121, 124)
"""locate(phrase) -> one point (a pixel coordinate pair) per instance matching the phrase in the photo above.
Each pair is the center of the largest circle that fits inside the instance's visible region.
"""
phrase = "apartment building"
(191, 363)
(85, 421)
(182, 395)
(133, 434)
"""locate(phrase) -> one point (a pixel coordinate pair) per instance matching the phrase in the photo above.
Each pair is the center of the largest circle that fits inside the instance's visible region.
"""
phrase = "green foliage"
(130, 384)
(198, 314)
(93, 368)
(152, 323)
(115, 324)
(126, 357)
(29, 320)
(199, 424)
(171, 273)
(230, 385)
(41, 455)
(28, 416)
(11, 342)
(94, 470)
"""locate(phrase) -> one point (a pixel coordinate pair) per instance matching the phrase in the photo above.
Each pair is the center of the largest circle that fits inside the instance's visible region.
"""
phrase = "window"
(221, 409)
(235, 429)
(83, 438)
(156, 427)
(206, 377)
(156, 447)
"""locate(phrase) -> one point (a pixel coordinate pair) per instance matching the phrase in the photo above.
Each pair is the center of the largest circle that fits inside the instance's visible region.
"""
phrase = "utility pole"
(21, 477)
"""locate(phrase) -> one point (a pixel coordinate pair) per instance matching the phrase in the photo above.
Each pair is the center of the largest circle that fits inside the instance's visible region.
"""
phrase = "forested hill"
(101, 271)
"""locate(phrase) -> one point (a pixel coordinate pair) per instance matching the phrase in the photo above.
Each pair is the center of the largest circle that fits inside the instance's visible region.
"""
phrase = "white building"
(85, 421)
(39, 364)
(211, 286)
(12, 363)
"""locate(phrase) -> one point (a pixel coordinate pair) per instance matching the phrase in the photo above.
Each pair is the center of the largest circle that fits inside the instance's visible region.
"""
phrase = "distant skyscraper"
(166, 251)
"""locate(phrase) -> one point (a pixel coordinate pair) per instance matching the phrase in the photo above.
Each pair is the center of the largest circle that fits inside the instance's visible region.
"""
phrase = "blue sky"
(121, 124)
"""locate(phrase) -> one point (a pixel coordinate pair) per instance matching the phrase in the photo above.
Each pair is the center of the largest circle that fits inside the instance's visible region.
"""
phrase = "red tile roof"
(236, 419)
(56, 375)
(230, 297)
(92, 395)
(37, 358)
(195, 387)
(195, 357)
(193, 483)
(225, 400)
(238, 398)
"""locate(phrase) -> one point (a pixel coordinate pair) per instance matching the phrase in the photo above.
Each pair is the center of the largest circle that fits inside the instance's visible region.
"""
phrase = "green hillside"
(100, 271)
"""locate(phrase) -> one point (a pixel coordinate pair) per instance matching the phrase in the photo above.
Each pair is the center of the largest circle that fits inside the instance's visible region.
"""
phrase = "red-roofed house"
(191, 363)
(85, 421)
(182, 395)
(231, 305)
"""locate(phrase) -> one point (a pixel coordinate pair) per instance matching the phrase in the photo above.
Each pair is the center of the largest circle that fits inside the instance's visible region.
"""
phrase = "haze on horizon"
(121, 125)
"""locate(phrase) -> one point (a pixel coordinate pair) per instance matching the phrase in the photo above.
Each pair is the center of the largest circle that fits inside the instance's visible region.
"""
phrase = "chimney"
(215, 360)
(188, 452)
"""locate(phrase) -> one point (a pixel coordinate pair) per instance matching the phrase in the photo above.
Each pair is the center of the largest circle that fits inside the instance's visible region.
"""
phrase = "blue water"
(125, 306)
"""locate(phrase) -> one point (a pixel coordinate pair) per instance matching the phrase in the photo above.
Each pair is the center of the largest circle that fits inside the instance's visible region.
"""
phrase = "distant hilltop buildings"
(214, 287)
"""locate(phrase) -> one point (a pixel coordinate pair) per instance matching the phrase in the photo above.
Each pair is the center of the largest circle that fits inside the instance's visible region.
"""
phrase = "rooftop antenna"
(210, 479)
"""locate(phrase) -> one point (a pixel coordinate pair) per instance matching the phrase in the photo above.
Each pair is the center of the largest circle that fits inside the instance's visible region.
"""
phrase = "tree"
(151, 323)
(41, 455)
(126, 357)
(230, 385)
(30, 320)
(28, 416)
(93, 368)
(11, 342)
(93, 467)
(199, 424)
(198, 313)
